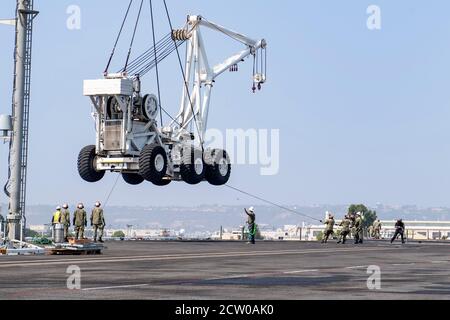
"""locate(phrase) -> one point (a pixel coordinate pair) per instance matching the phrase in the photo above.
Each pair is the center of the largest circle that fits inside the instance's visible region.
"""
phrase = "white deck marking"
(300, 271)
(116, 287)
(357, 267)
(229, 277)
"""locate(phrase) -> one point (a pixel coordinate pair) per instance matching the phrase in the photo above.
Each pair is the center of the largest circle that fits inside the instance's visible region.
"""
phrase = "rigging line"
(118, 37)
(134, 34)
(185, 80)
(272, 203)
(146, 56)
(111, 191)
(149, 51)
(147, 62)
(156, 63)
(149, 66)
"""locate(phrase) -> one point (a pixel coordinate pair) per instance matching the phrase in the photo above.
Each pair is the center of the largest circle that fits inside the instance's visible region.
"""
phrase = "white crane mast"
(201, 76)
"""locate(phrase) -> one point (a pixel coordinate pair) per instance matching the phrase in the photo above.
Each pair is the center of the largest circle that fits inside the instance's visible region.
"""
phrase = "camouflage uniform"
(328, 229)
(345, 230)
(65, 220)
(98, 222)
(358, 225)
(377, 229)
(79, 221)
(251, 225)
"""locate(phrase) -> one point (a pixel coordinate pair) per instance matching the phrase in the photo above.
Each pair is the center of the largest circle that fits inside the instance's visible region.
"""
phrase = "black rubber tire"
(213, 174)
(163, 183)
(86, 167)
(147, 168)
(189, 155)
(133, 179)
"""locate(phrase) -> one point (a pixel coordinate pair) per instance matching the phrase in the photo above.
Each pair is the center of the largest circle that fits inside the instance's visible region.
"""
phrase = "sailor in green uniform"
(329, 228)
(65, 220)
(98, 221)
(345, 231)
(79, 221)
(358, 225)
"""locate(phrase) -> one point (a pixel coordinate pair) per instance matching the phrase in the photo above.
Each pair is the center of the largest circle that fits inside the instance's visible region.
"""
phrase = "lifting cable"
(111, 191)
(147, 61)
(156, 63)
(118, 37)
(134, 34)
(272, 203)
(185, 80)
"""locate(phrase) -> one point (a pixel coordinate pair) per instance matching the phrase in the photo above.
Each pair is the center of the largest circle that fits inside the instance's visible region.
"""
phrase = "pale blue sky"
(363, 115)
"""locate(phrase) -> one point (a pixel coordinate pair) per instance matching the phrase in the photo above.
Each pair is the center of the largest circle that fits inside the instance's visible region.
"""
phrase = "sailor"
(377, 229)
(56, 218)
(358, 225)
(345, 231)
(98, 221)
(65, 220)
(399, 230)
(329, 228)
(251, 224)
(79, 221)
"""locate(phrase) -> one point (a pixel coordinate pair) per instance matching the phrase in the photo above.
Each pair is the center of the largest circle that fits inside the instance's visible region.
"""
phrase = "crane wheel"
(132, 178)
(86, 165)
(218, 167)
(192, 167)
(163, 182)
(153, 163)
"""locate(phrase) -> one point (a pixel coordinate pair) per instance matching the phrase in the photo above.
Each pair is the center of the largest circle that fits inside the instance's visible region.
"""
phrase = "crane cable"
(271, 203)
(185, 80)
(134, 34)
(111, 191)
(156, 62)
(118, 37)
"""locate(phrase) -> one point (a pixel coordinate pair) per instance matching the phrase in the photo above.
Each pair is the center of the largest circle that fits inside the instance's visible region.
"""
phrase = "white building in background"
(415, 230)
(420, 230)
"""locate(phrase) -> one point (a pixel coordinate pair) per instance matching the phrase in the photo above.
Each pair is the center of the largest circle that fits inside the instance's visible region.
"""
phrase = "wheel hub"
(198, 166)
(223, 167)
(159, 163)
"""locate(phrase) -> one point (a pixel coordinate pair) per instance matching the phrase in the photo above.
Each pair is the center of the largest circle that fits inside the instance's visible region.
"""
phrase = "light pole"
(16, 185)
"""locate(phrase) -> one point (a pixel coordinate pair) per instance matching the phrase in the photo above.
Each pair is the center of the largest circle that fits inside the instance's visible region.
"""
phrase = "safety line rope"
(271, 203)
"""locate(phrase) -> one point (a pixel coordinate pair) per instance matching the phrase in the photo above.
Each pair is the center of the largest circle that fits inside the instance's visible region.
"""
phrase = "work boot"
(95, 239)
(100, 240)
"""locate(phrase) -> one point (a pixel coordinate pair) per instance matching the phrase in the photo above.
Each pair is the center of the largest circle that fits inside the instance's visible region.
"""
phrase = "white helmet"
(98, 204)
(66, 206)
(80, 206)
(58, 208)
(251, 209)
